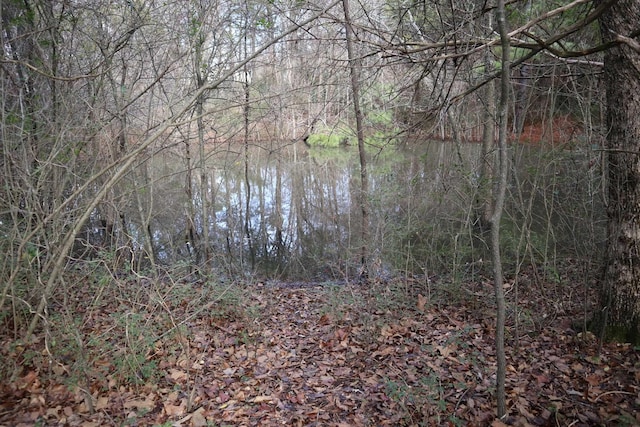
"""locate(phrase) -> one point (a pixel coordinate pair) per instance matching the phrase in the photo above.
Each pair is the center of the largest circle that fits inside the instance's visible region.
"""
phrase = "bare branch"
(628, 41)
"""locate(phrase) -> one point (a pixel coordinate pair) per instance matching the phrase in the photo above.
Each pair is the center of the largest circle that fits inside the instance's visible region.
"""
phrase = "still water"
(294, 213)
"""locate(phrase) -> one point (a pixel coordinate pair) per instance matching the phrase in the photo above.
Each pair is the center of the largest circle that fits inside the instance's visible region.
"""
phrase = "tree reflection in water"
(303, 216)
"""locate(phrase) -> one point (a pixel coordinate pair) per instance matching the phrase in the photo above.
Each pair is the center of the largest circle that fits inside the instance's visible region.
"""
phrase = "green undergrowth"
(108, 331)
(327, 140)
(380, 131)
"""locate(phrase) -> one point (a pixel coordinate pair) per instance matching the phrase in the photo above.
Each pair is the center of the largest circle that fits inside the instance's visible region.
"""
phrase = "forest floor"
(399, 353)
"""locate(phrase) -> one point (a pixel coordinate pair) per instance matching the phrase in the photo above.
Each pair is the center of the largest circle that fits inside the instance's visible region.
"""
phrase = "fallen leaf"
(177, 374)
(198, 419)
(422, 301)
(384, 352)
(174, 410)
(102, 403)
(147, 404)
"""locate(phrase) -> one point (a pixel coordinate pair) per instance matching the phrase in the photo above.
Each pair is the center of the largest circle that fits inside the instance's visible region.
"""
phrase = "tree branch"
(57, 262)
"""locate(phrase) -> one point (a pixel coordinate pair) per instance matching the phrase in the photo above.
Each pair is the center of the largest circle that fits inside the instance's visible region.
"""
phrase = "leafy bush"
(331, 140)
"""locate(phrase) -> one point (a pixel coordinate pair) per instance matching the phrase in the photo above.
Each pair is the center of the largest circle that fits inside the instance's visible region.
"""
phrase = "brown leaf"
(445, 351)
(223, 397)
(146, 404)
(177, 374)
(175, 410)
(102, 403)
(27, 380)
(542, 379)
(198, 419)
(422, 301)
(341, 334)
(384, 352)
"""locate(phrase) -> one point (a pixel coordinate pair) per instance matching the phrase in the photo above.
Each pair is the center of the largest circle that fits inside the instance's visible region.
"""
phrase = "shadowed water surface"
(294, 213)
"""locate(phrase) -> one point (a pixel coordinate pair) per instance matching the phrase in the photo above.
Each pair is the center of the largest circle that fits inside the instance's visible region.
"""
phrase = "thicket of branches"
(93, 90)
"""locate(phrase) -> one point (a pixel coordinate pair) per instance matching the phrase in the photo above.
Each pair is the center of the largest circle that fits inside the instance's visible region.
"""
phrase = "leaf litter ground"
(388, 354)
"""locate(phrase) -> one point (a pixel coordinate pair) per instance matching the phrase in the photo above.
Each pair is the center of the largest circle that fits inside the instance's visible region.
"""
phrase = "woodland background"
(106, 320)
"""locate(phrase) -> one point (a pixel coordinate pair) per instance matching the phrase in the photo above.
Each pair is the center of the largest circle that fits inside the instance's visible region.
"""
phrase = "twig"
(612, 392)
(460, 400)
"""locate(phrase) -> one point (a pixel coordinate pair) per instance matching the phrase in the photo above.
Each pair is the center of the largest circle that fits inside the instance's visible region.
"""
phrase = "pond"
(294, 213)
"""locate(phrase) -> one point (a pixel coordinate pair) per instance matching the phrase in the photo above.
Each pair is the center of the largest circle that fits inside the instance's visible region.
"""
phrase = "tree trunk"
(483, 206)
(620, 290)
(497, 211)
(201, 75)
(354, 65)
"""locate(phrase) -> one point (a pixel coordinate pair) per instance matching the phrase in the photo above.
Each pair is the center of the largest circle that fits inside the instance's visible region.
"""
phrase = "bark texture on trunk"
(621, 279)
(498, 206)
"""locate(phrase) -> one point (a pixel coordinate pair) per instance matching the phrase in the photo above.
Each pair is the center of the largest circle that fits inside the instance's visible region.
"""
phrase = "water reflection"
(293, 212)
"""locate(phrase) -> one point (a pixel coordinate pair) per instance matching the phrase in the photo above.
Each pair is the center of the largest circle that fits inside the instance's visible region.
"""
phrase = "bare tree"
(118, 169)
(354, 65)
(498, 206)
